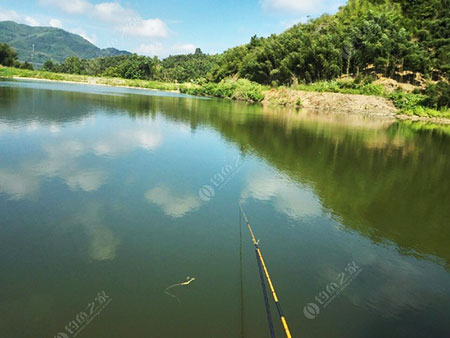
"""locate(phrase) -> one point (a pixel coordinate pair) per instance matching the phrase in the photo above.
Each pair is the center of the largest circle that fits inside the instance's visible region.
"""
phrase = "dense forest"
(178, 68)
(395, 38)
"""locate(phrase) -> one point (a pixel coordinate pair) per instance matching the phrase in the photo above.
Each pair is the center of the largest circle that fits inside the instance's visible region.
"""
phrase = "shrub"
(406, 101)
(241, 89)
(437, 95)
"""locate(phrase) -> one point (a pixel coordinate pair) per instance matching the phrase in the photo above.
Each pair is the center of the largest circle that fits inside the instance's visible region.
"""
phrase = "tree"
(26, 65)
(72, 65)
(8, 56)
(49, 66)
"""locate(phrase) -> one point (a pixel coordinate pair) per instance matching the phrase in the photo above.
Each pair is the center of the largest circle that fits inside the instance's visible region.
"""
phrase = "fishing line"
(241, 276)
(187, 282)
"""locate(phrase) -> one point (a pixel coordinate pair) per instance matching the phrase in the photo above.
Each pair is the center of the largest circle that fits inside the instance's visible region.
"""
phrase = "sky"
(167, 27)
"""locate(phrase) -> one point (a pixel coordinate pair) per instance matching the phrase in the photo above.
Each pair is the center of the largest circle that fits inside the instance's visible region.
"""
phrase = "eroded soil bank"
(337, 103)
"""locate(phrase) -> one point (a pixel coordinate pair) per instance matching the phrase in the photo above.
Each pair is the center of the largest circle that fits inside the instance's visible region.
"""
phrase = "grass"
(414, 104)
(343, 87)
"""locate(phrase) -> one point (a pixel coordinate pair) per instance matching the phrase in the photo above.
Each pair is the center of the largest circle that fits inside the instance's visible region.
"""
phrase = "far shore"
(92, 83)
(311, 101)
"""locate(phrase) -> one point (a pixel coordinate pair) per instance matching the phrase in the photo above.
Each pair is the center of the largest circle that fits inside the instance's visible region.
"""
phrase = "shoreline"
(15, 77)
(311, 101)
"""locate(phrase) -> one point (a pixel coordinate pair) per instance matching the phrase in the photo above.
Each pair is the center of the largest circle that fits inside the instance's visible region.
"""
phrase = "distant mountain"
(39, 44)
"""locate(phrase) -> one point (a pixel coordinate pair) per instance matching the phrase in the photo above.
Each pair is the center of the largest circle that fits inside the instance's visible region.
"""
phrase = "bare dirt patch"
(331, 102)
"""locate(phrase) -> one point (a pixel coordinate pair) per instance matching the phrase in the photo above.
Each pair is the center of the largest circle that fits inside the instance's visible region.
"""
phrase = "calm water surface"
(108, 196)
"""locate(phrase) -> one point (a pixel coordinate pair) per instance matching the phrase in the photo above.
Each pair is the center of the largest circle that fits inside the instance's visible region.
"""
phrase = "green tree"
(8, 56)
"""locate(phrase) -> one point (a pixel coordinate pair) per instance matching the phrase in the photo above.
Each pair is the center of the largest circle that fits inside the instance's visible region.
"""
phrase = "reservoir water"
(110, 195)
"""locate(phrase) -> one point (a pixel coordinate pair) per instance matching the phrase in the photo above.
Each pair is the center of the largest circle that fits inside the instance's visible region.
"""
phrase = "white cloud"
(172, 205)
(124, 20)
(292, 22)
(291, 5)
(308, 7)
(128, 21)
(184, 48)
(55, 23)
(91, 38)
(6, 15)
(114, 12)
(160, 50)
(10, 15)
(149, 28)
(69, 6)
(32, 22)
(151, 49)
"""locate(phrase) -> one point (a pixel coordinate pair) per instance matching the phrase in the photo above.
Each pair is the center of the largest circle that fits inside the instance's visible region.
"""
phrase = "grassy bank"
(241, 89)
(10, 72)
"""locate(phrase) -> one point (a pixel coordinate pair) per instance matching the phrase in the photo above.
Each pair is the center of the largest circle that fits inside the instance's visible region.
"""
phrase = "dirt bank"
(331, 102)
(336, 103)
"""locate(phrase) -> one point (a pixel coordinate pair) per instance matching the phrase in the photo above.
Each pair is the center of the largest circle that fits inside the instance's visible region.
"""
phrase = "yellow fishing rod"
(269, 281)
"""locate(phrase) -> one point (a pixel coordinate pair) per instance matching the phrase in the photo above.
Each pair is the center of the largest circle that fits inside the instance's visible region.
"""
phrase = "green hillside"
(395, 38)
(49, 43)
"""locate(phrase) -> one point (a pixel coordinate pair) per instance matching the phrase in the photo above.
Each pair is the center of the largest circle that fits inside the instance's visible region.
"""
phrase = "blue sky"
(170, 26)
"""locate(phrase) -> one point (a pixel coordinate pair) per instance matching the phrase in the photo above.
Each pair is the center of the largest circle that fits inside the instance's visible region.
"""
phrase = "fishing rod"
(263, 287)
(269, 281)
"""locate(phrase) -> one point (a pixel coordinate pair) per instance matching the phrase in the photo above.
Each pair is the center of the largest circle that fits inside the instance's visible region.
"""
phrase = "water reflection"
(17, 184)
(116, 183)
(62, 162)
(103, 243)
(382, 178)
(295, 201)
(63, 156)
(124, 141)
(387, 180)
(173, 204)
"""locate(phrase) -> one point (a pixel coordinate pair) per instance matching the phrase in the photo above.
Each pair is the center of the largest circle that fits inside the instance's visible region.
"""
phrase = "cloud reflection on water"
(288, 198)
(172, 204)
(62, 158)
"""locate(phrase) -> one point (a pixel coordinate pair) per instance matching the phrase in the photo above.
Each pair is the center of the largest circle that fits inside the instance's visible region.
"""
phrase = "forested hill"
(49, 43)
(396, 38)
